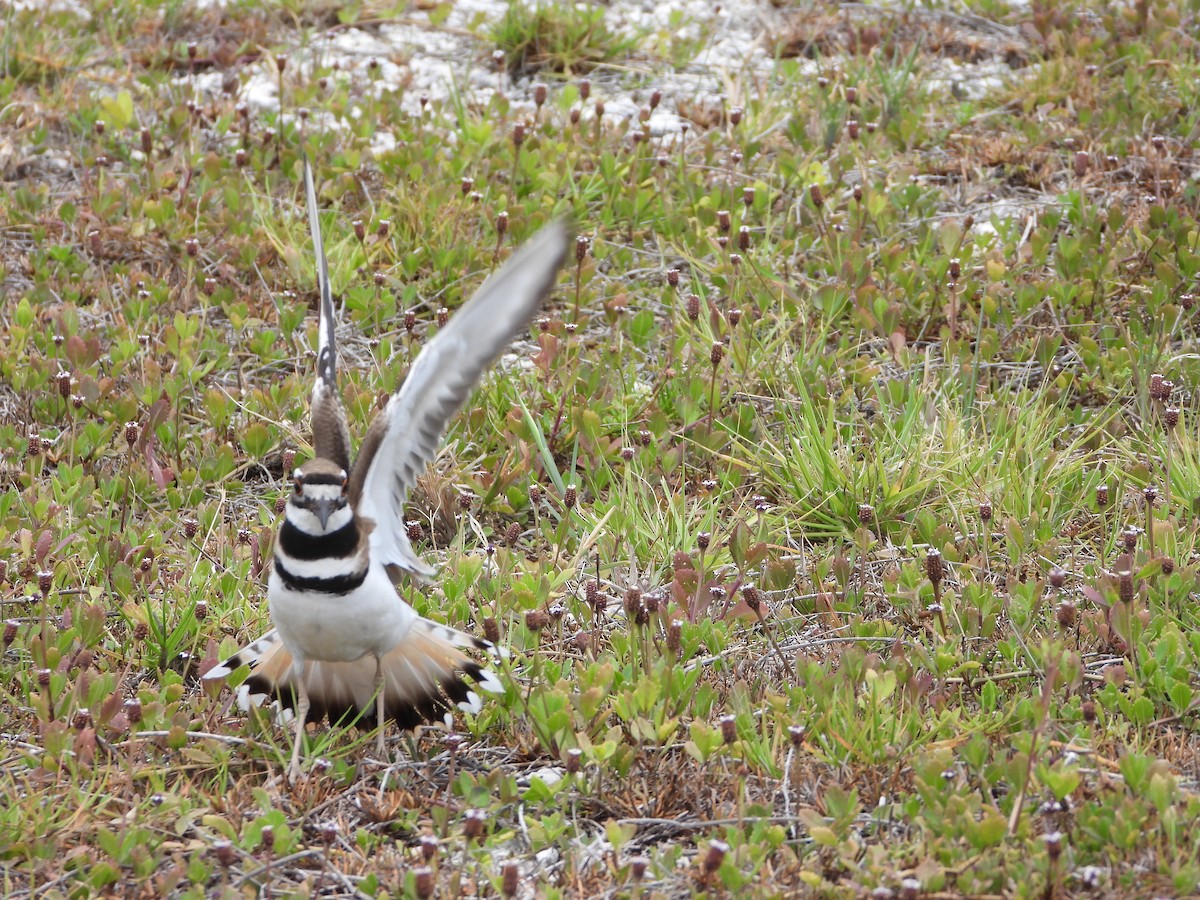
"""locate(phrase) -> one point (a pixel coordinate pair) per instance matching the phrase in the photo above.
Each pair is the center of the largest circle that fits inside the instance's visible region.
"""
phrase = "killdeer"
(343, 637)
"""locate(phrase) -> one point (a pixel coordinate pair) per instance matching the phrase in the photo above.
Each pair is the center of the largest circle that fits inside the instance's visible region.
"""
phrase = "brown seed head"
(473, 823)
(796, 735)
(703, 539)
(501, 223)
(637, 867)
(133, 712)
(675, 637)
(539, 93)
(410, 320)
(1054, 845)
(1170, 417)
(728, 729)
(744, 238)
(735, 116)
(1167, 564)
(852, 129)
(201, 610)
(536, 620)
(723, 220)
(1156, 387)
(1066, 613)
(1130, 537)
(715, 855)
(131, 433)
(570, 496)
(815, 195)
(512, 533)
(10, 633)
(45, 582)
(423, 882)
(140, 631)
(1058, 577)
(716, 353)
(63, 380)
(1088, 710)
(43, 678)
(413, 529)
(491, 630)
(866, 514)
(1102, 495)
(752, 597)
(585, 89)
(428, 845)
(225, 853)
(510, 878)
(693, 306)
(632, 601)
(935, 568)
(518, 134)
(1125, 586)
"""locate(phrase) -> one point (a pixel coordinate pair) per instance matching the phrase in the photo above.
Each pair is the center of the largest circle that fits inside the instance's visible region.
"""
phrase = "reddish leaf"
(778, 575)
(42, 547)
(544, 359)
(162, 477)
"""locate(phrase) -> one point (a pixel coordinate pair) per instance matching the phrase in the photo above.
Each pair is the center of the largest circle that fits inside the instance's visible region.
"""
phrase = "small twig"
(266, 867)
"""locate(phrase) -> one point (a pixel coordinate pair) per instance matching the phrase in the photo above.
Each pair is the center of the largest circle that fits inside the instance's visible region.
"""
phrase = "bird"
(345, 645)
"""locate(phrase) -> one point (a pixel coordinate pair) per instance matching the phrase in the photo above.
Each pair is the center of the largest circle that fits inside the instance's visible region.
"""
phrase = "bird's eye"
(298, 482)
(345, 483)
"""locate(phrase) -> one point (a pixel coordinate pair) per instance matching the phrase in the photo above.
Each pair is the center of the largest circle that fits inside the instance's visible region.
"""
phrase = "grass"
(837, 516)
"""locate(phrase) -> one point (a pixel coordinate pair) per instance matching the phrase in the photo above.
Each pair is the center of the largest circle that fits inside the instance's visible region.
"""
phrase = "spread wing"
(330, 430)
(404, 437)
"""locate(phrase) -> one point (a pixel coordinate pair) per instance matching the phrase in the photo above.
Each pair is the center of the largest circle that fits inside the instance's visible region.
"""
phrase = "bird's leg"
(380, 705)
(301, 716)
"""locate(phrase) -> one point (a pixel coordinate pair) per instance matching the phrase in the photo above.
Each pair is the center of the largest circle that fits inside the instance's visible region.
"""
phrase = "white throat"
(308, 523)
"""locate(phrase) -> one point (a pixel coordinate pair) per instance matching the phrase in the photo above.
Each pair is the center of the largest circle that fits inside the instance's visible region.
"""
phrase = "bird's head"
(320, 501)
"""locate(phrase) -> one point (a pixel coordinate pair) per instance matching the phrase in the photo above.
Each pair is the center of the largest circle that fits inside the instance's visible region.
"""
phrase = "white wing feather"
(442, 379)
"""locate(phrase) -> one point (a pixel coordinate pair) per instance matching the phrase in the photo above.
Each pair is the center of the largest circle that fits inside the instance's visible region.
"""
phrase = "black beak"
(323, 509)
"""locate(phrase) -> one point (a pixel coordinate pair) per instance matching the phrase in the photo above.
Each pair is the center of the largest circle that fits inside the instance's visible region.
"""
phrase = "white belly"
(340, 628)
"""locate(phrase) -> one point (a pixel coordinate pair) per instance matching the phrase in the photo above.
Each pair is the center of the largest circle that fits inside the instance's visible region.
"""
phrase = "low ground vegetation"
(838, 517)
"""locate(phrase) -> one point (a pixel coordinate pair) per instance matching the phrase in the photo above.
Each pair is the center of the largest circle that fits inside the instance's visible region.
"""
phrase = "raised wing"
(330, 431)
(404, 437)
